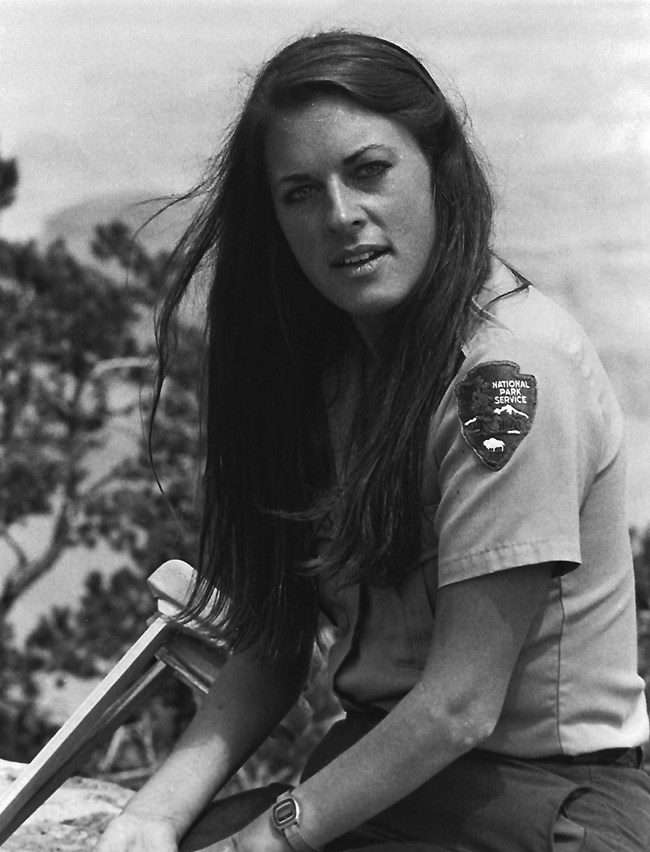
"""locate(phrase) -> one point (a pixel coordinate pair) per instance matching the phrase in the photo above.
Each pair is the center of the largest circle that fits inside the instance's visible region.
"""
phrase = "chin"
(375, 308)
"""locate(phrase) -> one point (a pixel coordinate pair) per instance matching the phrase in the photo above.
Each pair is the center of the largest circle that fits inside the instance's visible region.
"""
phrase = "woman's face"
(353, 196)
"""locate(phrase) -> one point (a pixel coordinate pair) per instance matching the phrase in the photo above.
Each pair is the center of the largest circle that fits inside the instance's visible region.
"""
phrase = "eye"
(299, 193)
(372, 169)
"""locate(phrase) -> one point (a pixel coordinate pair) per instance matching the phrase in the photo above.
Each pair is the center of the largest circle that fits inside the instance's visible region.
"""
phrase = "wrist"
(286, 819)
(259, 834)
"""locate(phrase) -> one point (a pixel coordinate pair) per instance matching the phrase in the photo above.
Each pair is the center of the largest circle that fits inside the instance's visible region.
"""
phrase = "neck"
(370, 331)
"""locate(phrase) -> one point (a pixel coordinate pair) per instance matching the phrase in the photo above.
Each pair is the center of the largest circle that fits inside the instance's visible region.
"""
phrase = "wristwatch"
(285, 817)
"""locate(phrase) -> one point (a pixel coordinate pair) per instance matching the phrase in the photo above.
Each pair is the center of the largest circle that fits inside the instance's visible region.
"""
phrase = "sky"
(102, 97)
(129, 98)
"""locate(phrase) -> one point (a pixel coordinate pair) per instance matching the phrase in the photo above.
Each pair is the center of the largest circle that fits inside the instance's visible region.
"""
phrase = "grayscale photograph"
(324, 425)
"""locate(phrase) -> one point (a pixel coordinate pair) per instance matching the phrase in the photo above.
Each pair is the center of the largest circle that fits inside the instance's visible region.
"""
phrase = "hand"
(138, 833)
(227, 845)
(257, 836)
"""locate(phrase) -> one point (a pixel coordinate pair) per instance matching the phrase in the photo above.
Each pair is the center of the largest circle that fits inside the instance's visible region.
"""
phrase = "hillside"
(75, 223)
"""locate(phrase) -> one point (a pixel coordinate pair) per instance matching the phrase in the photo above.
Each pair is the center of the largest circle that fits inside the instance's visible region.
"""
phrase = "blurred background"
(106, 105)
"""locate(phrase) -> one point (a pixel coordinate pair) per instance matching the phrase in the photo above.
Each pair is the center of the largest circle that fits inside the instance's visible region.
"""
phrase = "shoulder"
(510, 316)
(522, 325)
(530, 377)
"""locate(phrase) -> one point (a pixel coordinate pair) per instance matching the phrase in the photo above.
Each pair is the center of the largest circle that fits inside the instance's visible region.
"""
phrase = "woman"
(404, 436)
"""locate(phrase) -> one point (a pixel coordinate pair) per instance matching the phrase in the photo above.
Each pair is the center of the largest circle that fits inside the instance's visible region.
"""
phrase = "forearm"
(414, 742)
(246, 703)
(479, 629)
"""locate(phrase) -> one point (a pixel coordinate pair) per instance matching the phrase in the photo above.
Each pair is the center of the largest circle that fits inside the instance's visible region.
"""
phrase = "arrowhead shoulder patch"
(496, 407)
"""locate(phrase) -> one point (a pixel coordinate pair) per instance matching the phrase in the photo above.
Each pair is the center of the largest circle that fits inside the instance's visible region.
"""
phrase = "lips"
(358, 256)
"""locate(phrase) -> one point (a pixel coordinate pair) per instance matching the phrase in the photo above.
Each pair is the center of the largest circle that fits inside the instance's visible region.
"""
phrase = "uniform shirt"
(544, 482)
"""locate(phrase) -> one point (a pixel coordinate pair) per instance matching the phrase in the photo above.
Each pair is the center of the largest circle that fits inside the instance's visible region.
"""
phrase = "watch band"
(296, 840)
(285, 817)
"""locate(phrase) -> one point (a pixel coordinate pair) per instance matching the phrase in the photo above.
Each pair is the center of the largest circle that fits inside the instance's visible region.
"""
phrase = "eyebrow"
(355, 156)
(347, 161)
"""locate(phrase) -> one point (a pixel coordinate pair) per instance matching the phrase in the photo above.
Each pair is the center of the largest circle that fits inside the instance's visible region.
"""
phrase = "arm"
(247, 701)
(480, 627)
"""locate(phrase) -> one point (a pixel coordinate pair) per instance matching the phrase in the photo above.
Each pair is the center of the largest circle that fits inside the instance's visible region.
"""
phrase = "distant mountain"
(76, 224)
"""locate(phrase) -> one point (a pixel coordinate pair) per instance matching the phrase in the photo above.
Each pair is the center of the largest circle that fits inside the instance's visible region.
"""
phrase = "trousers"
(482, 802)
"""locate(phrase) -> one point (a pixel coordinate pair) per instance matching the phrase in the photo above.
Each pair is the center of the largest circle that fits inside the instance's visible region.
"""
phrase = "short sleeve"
(516, 443)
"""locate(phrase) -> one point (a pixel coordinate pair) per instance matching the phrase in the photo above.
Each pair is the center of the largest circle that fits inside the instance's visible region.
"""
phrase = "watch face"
(285, 813)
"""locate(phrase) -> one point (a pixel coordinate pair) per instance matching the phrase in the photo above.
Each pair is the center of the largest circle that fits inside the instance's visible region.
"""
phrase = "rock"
(71, 820)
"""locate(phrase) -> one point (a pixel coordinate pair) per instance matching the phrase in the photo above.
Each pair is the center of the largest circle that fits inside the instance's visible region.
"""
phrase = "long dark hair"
(270, 336)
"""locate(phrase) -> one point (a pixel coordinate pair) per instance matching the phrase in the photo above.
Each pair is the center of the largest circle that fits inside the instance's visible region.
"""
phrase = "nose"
(344, 210)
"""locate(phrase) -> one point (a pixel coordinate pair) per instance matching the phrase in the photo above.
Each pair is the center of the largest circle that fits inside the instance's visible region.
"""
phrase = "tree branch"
(18, 550)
